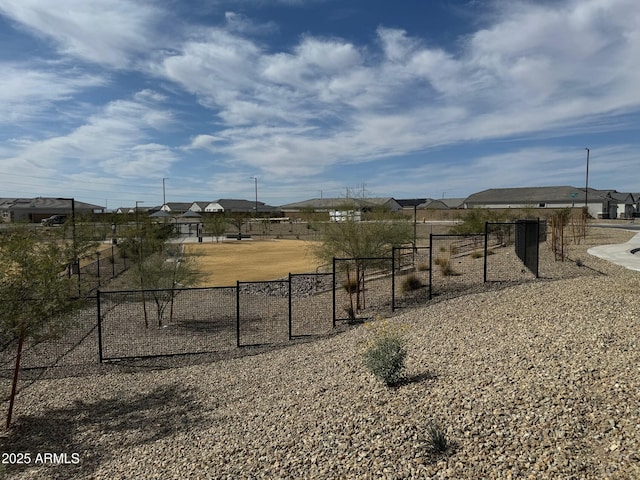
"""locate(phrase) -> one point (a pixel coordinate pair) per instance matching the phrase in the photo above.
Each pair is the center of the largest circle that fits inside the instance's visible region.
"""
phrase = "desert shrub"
(445, 266)
(436, 441)
(351, 285)
(351, 314)
(423, 267)
(410, 283)
(385, 355)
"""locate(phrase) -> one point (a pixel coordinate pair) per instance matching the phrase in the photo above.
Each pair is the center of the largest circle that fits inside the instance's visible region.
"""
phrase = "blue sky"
(101, 100)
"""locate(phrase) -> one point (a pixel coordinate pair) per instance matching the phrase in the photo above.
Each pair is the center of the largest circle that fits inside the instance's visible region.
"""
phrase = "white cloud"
(113, 141)
(27, 91)
(109, 32)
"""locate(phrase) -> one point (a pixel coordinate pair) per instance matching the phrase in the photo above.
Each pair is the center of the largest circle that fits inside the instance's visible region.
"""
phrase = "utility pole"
(255, 179)
(164, 197)
(586, 186)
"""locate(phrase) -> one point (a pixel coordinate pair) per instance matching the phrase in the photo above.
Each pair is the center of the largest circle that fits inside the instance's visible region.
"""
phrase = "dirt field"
(222, 264)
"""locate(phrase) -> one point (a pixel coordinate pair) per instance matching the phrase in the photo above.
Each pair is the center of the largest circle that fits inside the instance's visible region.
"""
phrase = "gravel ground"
(539, 380)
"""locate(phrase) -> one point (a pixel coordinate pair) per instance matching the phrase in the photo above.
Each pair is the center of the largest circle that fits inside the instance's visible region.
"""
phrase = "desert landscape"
(538, 380)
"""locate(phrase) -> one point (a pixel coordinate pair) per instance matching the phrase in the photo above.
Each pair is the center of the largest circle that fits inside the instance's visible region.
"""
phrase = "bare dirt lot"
(222, 264)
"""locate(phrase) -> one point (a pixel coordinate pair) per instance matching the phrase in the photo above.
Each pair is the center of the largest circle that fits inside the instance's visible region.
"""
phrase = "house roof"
(433, 204)
(410, 202)
(335, 203)
(46, 203)
(453, 202)
(533, 195)
(240, 205)
(179, 207)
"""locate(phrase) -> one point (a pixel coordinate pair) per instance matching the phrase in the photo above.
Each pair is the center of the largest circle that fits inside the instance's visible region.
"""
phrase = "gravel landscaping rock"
(537, 380)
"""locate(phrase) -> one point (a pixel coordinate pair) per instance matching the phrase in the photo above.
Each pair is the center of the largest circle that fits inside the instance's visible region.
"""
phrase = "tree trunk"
(14, 386)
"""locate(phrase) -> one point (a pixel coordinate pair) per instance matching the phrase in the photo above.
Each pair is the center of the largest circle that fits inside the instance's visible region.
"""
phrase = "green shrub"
(385, 356)
(410, 283)
(436, 440)
(445, 266)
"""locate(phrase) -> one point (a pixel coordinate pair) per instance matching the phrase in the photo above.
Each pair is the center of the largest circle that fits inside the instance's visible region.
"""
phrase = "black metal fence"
(361, 286)
(97, 269)
(125, 324)
(77, 345)
(165, 322)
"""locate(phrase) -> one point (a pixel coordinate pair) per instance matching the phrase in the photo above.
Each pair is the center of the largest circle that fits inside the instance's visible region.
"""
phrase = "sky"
(114, 102)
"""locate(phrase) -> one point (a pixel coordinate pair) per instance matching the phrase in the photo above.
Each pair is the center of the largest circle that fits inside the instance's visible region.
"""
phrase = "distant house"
(453, 202)
(34, 210)
(600, 203)
(342, 204)
(176, 207)
(132, 210)
(229, 205)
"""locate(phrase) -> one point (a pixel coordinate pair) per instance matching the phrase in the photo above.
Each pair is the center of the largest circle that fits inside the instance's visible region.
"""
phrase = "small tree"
(160, 273)
(158, 266)
(216, 225)
(361, 240)
(34, 290)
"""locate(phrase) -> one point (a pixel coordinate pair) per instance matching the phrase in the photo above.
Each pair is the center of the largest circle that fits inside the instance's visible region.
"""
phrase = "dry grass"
(222, 264)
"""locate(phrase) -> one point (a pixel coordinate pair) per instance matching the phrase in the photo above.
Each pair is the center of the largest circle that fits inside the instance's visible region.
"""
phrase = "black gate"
(527, 243)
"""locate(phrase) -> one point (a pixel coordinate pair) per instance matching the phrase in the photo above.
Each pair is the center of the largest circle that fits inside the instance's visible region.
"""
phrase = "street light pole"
(586, 186)
(137, 220)
(256, 183)
(164, 197)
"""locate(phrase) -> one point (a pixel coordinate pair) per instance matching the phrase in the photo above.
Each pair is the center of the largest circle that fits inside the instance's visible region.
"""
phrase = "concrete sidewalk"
(620, 254)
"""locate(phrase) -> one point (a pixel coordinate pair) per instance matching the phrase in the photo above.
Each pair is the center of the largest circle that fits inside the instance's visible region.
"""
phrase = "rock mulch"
(539, 380)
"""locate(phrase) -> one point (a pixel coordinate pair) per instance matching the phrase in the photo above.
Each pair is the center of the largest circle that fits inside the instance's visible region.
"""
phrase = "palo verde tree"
(159, 267)
(360, 240)
(35, 291)
(216, 225)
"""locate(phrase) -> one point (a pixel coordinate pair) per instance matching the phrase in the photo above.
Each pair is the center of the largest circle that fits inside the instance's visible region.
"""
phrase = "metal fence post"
(99, 325)
(430, 264)
(486, 249)
(333, 292)
(98, 260)
(538, 248)
(393, 276)
(290, 308)
(238, 313)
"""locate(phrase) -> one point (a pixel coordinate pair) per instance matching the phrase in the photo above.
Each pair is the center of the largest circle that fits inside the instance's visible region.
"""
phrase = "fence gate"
(527, 243)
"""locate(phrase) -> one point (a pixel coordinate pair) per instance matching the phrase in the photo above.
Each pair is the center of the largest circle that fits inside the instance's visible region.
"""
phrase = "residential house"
(34, 210)
(600, 203)
(229, 205)
(176, 208)
(341, 204)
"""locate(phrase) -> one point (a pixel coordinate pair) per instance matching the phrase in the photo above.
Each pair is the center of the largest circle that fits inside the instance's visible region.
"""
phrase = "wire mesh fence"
(362, 287)
(99, 268)
(456, 263)
(311, 304)
(125, 324)
(166, 322)
(411, 276)
(502, 262)
(76, 343)
(263, 312)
